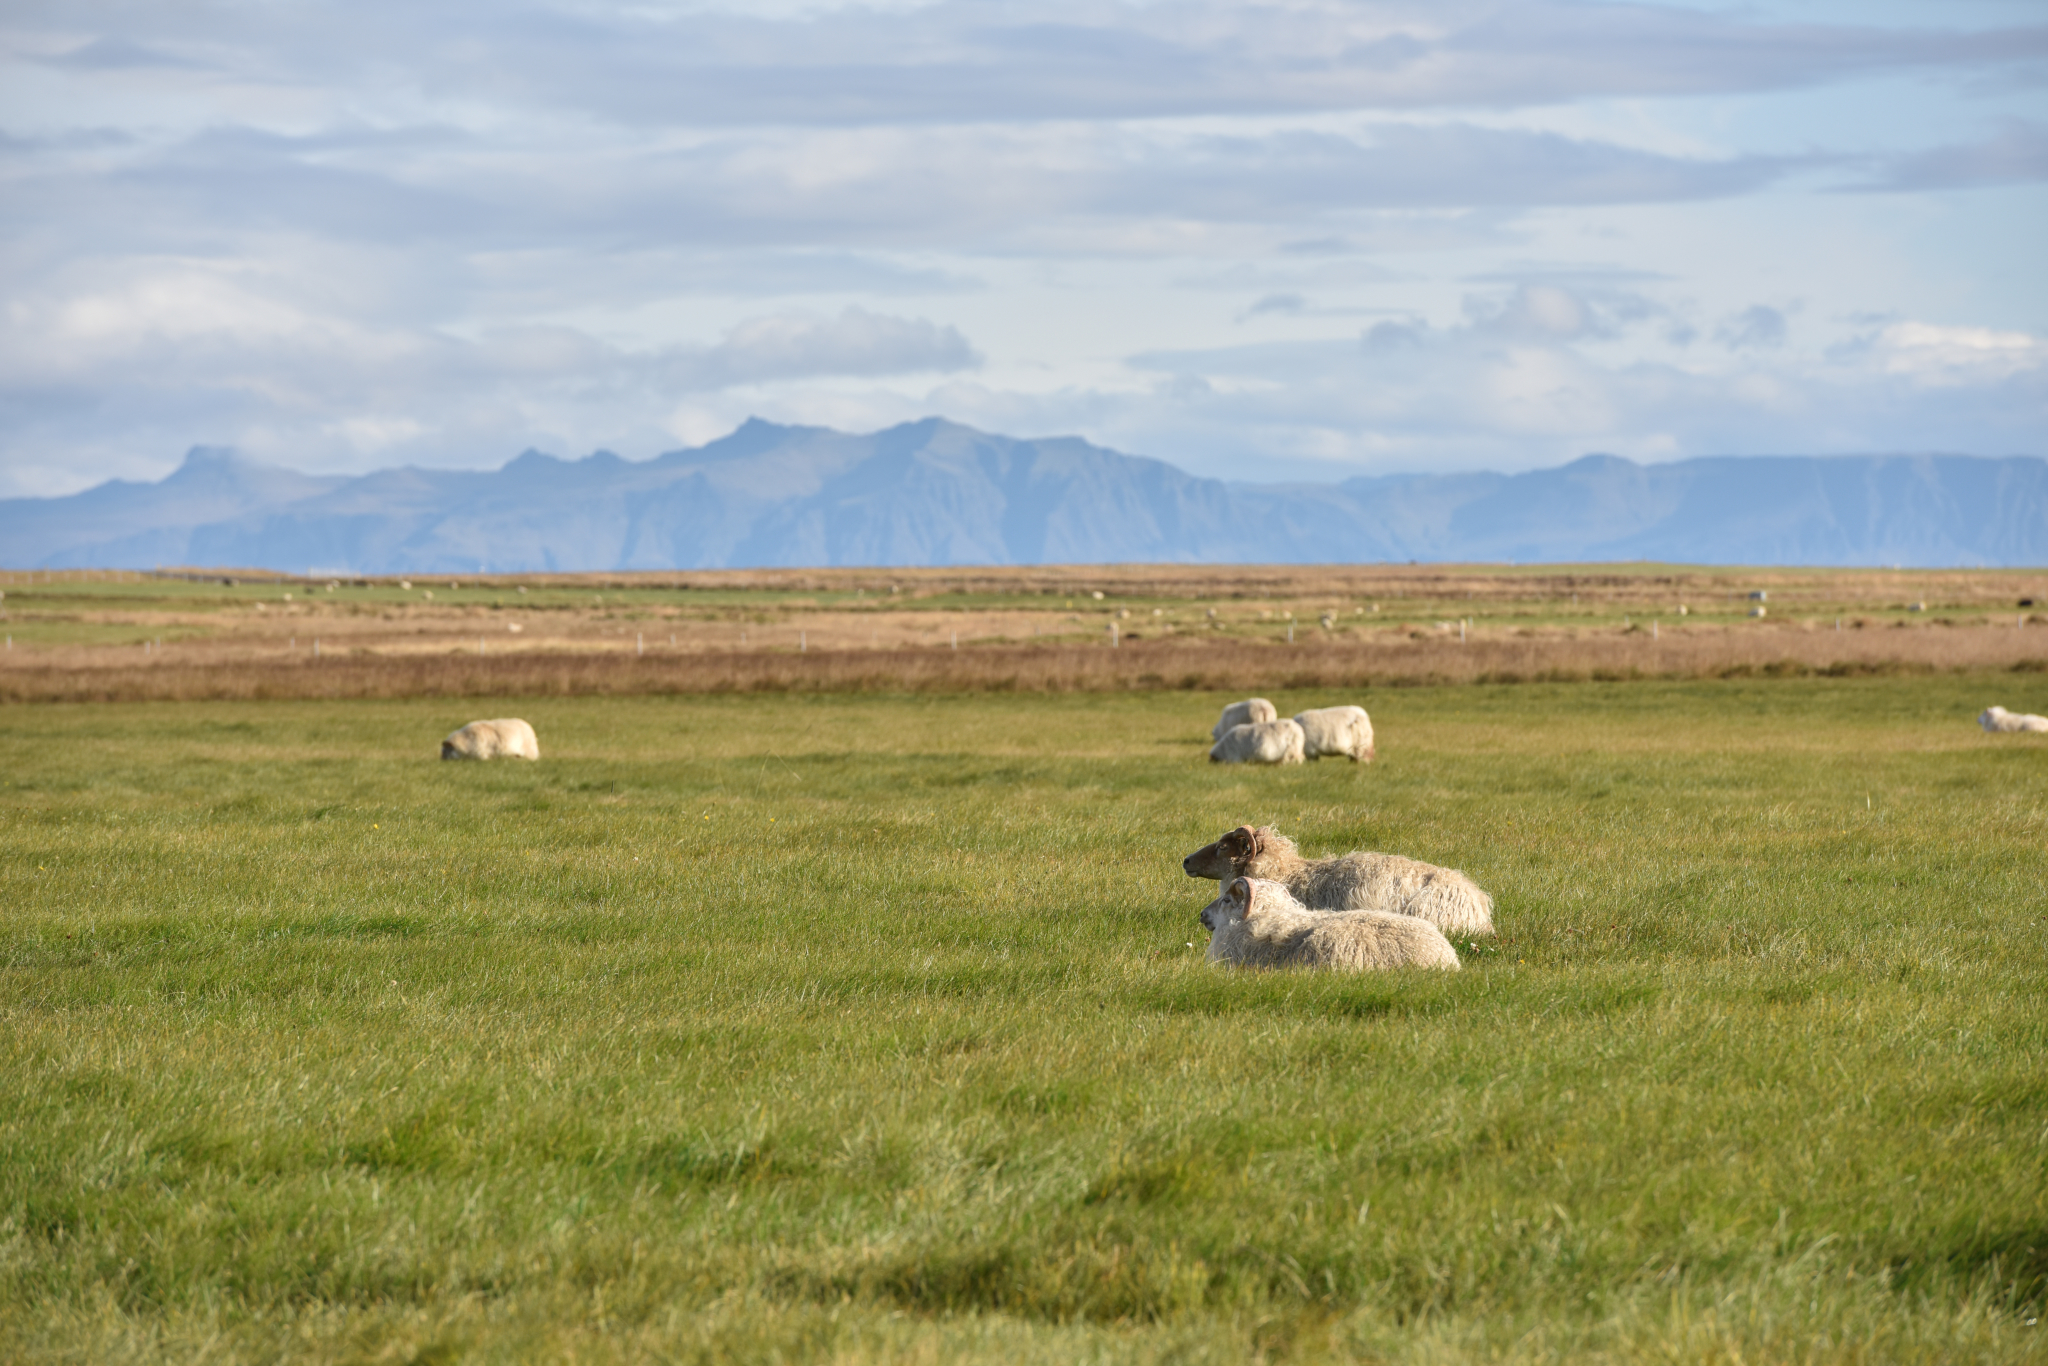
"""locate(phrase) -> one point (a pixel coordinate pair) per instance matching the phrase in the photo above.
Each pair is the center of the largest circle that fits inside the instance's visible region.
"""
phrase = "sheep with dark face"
(509, 738)
(1256, 924)
(1245, 713)
(1356, 881)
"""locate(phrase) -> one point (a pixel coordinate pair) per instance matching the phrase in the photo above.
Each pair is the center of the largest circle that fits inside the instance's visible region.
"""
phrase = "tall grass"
(874, 1027)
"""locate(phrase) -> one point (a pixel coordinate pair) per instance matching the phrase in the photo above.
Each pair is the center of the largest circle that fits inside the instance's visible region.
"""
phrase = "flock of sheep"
(1351, 912)
(1355, 911)
(1253, 732)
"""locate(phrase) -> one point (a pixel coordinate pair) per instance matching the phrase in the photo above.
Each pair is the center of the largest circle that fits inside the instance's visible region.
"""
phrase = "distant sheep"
(1444, 897)
(1256, 924)
(1262, 742)
(504, 739)
(1999, 721)
(1336, 731)
(1247, 712)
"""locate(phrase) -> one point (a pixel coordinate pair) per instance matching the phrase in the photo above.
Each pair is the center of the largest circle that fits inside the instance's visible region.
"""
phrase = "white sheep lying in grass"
(1245, 713)
(1444, 897)
(1261, 742)
(1256, 924)
(1999, 721)
(1334, 731)
(509, 738)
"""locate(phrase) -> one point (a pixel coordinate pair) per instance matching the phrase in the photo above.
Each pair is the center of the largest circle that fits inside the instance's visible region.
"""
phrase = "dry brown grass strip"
(1180, 662)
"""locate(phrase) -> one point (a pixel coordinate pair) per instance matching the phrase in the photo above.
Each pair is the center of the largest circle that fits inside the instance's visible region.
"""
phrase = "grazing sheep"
(1262, 742)
(1444, 897)
(1333, 731)
(509, 738)
(1245, 713)
(1256, 924)
(1999, 721)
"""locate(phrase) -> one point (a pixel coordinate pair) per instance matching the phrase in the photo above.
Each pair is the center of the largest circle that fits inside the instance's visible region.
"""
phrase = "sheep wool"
(1252, 709)
(1334, 732)
(509, 738)
(1999, 721)
(1357, 881)
(1256, 924)
(1260, 742)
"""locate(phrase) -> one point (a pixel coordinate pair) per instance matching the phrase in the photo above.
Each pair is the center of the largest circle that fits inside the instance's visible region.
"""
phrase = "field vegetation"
(875, 1027)
(121, 636)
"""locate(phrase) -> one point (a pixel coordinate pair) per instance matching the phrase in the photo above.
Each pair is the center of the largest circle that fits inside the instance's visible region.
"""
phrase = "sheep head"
(1230, 906)
(1224, 859)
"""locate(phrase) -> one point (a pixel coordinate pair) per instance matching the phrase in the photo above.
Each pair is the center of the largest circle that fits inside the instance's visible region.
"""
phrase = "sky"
(1285, 240)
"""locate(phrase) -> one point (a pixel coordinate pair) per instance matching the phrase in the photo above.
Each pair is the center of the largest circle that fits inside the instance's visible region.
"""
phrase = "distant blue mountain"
(935, 492)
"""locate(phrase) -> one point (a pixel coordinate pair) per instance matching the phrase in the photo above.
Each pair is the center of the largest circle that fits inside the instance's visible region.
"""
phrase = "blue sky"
(1292, 240)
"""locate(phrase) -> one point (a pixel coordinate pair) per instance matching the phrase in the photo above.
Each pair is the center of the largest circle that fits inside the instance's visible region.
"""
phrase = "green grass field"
(867, 1028)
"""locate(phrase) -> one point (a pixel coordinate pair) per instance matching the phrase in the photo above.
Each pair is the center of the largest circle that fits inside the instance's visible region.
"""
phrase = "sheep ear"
(1254, 840)
(1241, 892)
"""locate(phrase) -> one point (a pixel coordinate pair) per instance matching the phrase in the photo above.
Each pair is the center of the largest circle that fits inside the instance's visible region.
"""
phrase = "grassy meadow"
(866, 1028)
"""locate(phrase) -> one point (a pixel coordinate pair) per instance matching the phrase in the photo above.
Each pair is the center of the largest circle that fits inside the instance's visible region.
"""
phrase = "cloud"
(1951, 357)
(387, 231)
(117, 54)
(123, 374)
(846, 192)
(1754, 328)
(856, 342)
(1554, 312)
(1523, 382)
(2017, 154)
(1285, 304)
(1013, 60)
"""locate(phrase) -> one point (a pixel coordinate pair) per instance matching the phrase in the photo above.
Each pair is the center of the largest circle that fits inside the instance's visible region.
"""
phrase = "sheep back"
(1259, 742)
(1999, 721)
(1244, 713)
(1444, 897)
(505, 738)
(1368, 941)
(1256, 923)
(1336, 731)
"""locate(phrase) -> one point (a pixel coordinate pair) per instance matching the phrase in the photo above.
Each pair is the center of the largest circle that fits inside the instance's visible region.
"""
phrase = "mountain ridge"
(938, 492)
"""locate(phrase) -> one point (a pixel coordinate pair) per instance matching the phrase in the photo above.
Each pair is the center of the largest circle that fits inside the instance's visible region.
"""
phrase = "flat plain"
(875, 1027)
(98, 635)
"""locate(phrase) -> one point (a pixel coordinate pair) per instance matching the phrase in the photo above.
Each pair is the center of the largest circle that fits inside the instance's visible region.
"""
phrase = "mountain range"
(935, 492)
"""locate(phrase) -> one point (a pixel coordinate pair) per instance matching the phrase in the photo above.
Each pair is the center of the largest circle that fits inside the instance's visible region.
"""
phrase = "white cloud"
(1462, 232)
(1957, 356)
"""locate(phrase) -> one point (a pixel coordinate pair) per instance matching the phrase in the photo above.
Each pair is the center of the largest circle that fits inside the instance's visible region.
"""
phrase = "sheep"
(1263, 742)
(1999, 721)
(1247, 712)
(1336, 730)
(1356, 881)
(1256, 924)
(509, 738)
